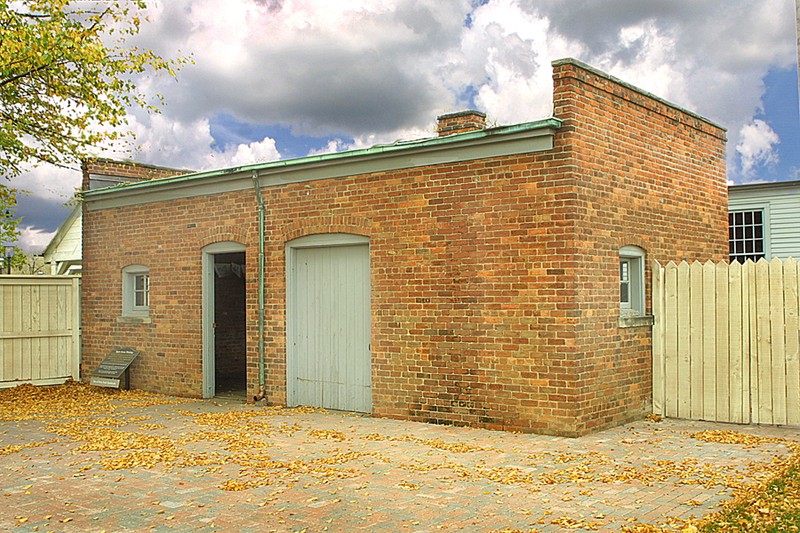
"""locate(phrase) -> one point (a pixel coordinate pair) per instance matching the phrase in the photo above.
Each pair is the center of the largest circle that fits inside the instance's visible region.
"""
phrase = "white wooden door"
(328, 327)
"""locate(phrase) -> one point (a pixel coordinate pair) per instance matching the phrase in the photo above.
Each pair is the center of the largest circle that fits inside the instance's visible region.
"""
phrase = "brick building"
(493, 277)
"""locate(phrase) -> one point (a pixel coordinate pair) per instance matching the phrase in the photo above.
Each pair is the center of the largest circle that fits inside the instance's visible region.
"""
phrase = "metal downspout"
(261, 373)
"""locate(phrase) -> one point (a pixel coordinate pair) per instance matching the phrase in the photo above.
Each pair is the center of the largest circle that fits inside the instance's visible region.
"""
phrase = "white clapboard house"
(764, 220)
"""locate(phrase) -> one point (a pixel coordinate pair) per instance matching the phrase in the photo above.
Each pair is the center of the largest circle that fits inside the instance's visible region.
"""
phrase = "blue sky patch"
(782, 113)
(226, 130)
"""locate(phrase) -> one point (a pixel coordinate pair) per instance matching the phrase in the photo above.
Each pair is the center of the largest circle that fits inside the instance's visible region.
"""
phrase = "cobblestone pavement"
(225, 466)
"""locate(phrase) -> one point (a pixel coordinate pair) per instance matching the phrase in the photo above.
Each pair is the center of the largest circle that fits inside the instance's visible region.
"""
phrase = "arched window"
(631, 281)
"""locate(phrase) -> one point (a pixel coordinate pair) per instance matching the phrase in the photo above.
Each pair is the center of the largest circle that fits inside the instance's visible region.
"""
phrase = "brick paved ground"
(164, 468)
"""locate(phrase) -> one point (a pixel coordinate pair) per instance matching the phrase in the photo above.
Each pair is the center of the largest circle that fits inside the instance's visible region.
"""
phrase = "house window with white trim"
(631, 281)
(746, 235)
(135, 291)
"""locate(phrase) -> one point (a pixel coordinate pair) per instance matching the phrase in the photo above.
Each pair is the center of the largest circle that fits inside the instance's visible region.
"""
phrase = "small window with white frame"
(631, 281)
(136, 291)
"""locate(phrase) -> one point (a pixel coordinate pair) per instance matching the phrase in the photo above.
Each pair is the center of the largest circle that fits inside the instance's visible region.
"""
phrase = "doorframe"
(209, 355)
(318, 240)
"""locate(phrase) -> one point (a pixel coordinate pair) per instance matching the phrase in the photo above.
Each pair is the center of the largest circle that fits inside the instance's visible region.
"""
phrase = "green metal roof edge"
(379, 149)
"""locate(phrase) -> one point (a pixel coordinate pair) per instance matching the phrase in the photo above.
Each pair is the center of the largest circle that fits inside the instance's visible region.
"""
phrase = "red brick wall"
(646, 174)
(494, 282)
(129, 170)
(112, 240)
(167, 237)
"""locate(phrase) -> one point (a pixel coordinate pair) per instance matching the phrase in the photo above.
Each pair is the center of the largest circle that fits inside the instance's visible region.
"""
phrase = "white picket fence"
(726, 341)
(39, 329)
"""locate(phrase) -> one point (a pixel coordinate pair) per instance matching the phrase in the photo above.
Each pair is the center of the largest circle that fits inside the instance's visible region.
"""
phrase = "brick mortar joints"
(645, 100)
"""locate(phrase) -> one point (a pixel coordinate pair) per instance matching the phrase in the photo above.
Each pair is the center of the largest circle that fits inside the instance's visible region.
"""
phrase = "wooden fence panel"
(722, 364)
(777, 308)
(39, 329)
(659, 377)
(738, 344)
(709, 353)
(792, 299)
(760, 357)
(696, 340)
(684, 354)
(670, 343)
(726, 341)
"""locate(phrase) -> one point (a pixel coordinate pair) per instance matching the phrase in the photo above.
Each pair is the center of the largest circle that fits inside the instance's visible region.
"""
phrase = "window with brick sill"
(136, 292)
(631, 281)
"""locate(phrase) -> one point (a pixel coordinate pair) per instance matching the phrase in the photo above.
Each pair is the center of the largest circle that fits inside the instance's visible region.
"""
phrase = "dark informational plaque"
(111, 370)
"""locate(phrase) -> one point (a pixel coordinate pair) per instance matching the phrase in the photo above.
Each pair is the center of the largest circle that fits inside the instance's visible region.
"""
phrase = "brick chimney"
(461, 122)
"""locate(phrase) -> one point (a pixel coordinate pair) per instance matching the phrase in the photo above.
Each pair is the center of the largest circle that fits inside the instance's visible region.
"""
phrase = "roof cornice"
(492, 142)
(763, 185)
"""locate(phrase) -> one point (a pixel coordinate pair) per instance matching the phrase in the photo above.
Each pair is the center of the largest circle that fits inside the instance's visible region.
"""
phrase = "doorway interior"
(230, 327)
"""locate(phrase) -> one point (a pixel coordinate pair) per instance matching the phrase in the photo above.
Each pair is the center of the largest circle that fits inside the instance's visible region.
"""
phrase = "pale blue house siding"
(780, 202)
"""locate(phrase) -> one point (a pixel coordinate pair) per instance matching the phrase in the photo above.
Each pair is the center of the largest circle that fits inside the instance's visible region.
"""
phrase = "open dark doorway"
(230, 334)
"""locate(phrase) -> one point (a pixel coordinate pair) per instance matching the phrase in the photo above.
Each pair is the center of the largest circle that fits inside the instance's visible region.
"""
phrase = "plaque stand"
(125, 380)
(114, 371)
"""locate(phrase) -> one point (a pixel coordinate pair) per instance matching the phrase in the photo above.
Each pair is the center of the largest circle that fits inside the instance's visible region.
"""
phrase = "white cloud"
(244, 154)
(321, 67)
(371, 69)
(332, 146)
(756, 146)
(34, 240)
(505, 57)
(161, 140)
(49, 182)
(710, 56)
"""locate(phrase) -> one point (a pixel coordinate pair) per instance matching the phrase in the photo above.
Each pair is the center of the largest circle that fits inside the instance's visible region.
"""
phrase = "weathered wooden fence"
(726, 341)
(39, 329)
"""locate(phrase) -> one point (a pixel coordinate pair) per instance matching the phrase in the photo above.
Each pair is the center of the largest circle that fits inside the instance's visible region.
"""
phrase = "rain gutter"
(261, 372)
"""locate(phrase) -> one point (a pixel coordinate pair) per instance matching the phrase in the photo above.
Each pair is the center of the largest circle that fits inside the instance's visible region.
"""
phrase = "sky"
(278, 79)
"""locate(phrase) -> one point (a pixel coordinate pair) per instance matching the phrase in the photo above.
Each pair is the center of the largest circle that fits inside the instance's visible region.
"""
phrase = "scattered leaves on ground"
(771, 505)
(97, 424)
(73, 399)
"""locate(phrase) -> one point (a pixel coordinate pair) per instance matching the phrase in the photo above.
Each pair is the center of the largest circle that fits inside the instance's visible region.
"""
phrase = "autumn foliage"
(67, 77)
